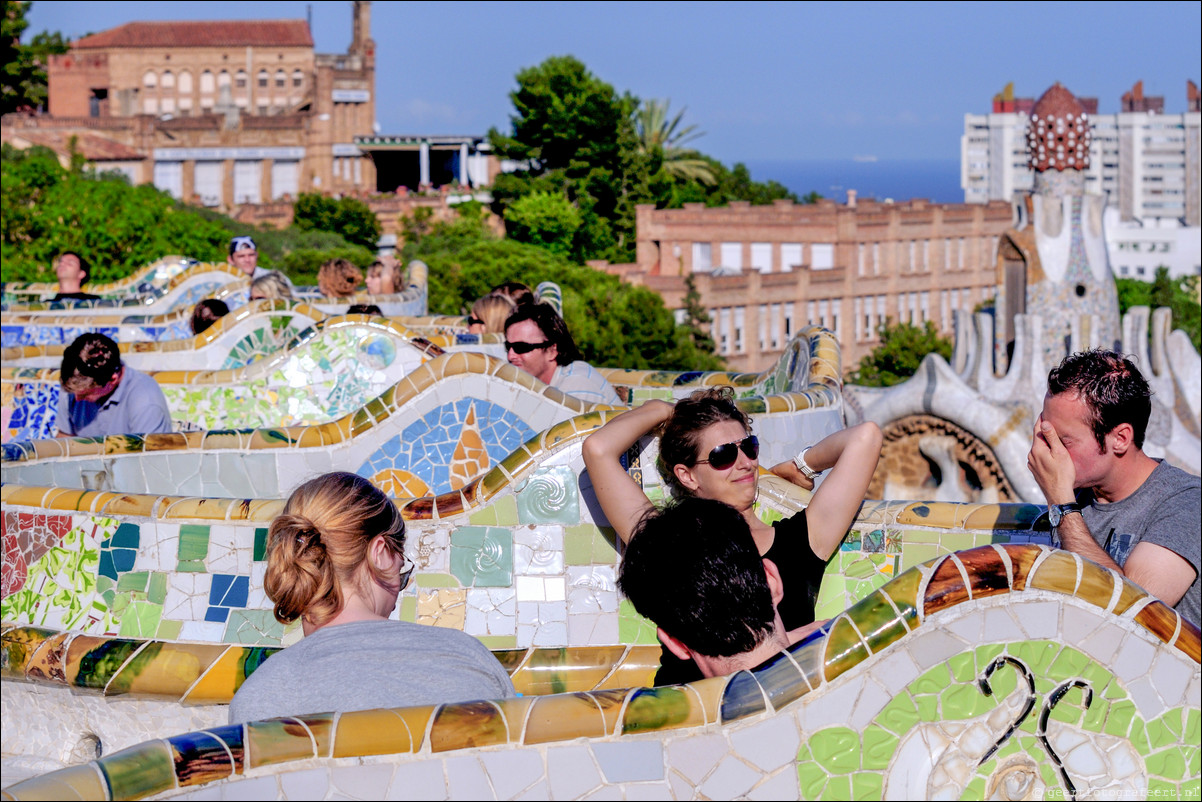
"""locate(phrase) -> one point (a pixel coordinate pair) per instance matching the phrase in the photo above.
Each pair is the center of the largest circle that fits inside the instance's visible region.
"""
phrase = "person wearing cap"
(244, 255)
(101, 396)
(72, 272)
(538, 341)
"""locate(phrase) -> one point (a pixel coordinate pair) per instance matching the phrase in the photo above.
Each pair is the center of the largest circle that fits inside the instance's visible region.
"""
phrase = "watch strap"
(803, 466)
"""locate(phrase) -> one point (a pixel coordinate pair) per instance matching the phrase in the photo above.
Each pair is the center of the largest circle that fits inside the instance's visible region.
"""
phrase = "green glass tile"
(928, 708)
(1038, 655)
(838, 788)
(836, 749)
(1114, 691)
(134, 580)
(260, 552)
(965, 701)
(877, 621)
(1119, 722)
(899, 716)
(139, 771)
(933, 681)
(499, 641)
(1070, 663)
(1159, 734)
(169, 630)
(1096, 675)
(1095, 716)
(1195, 763)
(844, 649)
(193, 547)
(1193, 725)
(975, 788)
(253, 628)
(141, 620)
(103, 583)
(963, 667)
(1169, 763)
(879, 746)
(866, 785)
(408, 610)
(1172, 720)
(1071, 708)
(811, 779)
(1159, 789)
(482, 556)
(550, 496)
(915, 553)
(437, 581)
(633, 629)
(156, 590)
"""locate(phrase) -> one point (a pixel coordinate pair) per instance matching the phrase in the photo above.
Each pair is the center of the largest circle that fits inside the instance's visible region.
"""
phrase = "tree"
(545, 219)
(349, 217)
(901, 351)
(667, 139)
(1179, 295)
(697, 316)
(24, 66)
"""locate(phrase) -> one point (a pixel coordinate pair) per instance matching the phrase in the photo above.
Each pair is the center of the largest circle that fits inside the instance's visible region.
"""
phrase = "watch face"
(1054, 517)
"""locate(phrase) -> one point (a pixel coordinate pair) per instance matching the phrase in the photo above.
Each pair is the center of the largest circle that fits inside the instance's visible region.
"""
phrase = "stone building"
(763, 272)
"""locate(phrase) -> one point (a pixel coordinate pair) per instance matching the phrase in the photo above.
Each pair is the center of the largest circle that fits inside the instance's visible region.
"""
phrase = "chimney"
(851, 199)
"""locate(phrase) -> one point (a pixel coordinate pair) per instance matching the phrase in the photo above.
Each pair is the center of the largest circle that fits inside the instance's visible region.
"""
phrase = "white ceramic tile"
(1147, 701)
(252, 788)
(538, 550)
(512, 770)
(365, 781)
(1133, 659)
(731, 779)
(1041, 619)
(305, 784)
(630, 760)
(931, 647)
(647, 791)
(571, 771)
(1170, 676)
(466, 778)
(769, 744)
(782, 785)
(895, 670)
(208, 631)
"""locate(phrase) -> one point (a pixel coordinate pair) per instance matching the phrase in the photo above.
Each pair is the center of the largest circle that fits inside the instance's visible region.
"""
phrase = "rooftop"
(228, 33)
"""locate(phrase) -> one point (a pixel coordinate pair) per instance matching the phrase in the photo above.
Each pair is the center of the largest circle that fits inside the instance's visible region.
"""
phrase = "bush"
(350, 218)
(543, 218)
(902, 349)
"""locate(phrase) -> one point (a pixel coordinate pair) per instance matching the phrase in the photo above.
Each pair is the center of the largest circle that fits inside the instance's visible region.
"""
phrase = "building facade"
(1145, 161)
(764, 272)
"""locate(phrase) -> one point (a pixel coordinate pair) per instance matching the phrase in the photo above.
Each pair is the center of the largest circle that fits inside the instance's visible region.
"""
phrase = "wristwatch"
(804, 467)
(1056, 512)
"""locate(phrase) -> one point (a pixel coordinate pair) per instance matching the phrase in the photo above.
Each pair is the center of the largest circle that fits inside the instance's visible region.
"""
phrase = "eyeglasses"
(725, 455)
(406, 571)
(475, 321)
(525, 348)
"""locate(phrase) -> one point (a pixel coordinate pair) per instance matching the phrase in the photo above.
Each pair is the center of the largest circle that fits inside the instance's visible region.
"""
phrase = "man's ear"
(775, 586)
(675, 646)
(553, 353)
(1121, 439)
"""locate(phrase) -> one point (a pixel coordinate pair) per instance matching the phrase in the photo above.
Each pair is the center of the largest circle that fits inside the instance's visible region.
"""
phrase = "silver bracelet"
(803, 466)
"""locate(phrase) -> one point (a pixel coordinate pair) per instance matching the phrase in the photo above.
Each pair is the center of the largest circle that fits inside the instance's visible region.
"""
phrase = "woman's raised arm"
(621, 498)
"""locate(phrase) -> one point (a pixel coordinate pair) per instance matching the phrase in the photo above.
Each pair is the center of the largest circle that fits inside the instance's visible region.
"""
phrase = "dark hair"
(553, 328)
(364, 309)
(242, 240)
(206, 312)
(87, 271)
(91, 356)
(693, 568)
(317, 544)
(1113, 389)
(515, 291)
(680, 436)
(338, 278)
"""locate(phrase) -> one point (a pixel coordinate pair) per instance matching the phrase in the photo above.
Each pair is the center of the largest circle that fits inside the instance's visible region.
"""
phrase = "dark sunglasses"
(725, 455)
(525, 348)
(406, 570)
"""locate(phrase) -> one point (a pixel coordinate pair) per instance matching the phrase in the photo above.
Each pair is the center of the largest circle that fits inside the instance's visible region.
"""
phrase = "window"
(790, 256)
(836, 316)
(822, 256)
(223, 79)
(761, 256)
(263, 77)
(702, 257)
(788, 320)
(207, 85)
(763, 327)
(731, 255)
(248, 181)
(209, 182)
(168, 80)
(740, 325)
(281, 80)
(169, 177)
(298, 79)
(284, 179)
(185, 83)
(240, 79)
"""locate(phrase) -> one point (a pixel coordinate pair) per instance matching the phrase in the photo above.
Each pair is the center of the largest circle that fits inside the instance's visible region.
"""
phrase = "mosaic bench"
(155, 275)
(1004, 671)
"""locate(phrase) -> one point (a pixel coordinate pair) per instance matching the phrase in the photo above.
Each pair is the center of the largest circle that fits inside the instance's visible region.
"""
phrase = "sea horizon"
(936, 180)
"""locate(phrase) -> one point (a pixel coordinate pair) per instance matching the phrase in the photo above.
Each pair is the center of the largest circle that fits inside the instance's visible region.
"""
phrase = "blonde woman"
(336, 561)
(489, 314)
(273, 285)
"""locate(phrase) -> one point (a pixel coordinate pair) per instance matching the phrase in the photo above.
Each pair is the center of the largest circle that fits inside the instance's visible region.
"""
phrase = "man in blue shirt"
(101, 396)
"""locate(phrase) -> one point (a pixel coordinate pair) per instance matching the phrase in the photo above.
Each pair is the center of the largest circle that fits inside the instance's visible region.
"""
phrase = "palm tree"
(657, 131)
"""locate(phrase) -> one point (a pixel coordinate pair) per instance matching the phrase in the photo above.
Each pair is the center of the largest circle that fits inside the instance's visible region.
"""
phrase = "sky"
(764, 81)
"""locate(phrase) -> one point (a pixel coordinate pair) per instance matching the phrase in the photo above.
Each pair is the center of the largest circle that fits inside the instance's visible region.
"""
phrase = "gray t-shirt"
(370, 664)
(1165, 510)
(137, 406)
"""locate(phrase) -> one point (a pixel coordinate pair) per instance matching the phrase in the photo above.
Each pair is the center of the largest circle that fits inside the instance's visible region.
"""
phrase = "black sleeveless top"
(801, 575)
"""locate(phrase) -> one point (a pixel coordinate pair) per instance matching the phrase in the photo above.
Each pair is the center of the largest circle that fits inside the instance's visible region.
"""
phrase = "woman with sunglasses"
(707, 450)
(336, 560)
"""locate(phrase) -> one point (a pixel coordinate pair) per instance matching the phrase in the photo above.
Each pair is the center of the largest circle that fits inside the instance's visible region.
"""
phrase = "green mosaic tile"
(963, 667)
(1069, 664)
(1172, 720)
(437, 581)
(632, 627)
(1071, 708)
(879, 746)
(838, 788)
(253, 627)
(965, 701)
(865, 785)
(499, 641)
(1095, 716)
(1159, 789)
(1119, 722)
(1166, 763)
(169, 630)
(933, 681)
(156, 590)
(899, 716)
(103, 583)
(587, 544)
(1037, 655)
(193, 547)
(975, 788)
(134, 580)
(408, 609)
(550, 496)
(260, 551)
(928, 708)
(1114, 691)
(836, 749)
(916, 553)
(141, 620)
(1193, 725)
(811, 778)
(482, 556)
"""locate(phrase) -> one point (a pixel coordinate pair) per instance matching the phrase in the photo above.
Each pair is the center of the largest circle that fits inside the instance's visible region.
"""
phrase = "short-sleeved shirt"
(1164, 510)
(370, 664)
(581, 380)
(137, 406)
(801, 573)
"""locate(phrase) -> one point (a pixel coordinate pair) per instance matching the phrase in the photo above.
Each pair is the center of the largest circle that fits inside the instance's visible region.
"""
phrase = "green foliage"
(302, 265)
(1179, 295)
(351, 218)
(23, 67)
(615, 324)
(897, 358)
(46, 209)
(543, 218)
(666, 138)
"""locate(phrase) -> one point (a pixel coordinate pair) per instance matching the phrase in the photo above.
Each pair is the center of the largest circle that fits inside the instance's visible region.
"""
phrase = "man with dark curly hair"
(101, 396)
(1107, 500)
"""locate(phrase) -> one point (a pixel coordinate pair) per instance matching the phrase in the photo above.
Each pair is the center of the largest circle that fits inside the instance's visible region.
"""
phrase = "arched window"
(206, 82)
(168, 80)
(185, 82)
(298, 79)
(281, 80)
(240, 79)
(263, 79)
(150, 80)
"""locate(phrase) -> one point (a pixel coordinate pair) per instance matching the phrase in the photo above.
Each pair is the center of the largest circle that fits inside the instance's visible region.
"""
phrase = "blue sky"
(765, 81)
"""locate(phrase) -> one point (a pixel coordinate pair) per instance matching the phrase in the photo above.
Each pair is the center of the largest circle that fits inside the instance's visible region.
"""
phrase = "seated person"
(538, 342)
(694, 570)
(338, 278)
(244, 255)
(101, 396)
(364, 309)
(489, 314)
(336, 560)
(272, 285)
(382, 279)
(515, 291)
(72, 273)
(707, 450)
(206, 314)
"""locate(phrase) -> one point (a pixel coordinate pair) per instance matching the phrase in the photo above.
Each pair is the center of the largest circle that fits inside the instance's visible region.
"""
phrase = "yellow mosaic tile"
(1130, 594)
(373, 732)
(132, 504)
(49, 449)
(277, 741)
(931, 514)
(612, 703)
(1097, 584)
(220, 681)
(563, 717)
(442, 607)
(172, 671)
(65, 498)
(468, 725)
(211, 509)
(662, 708)
(1057, 572)
(637, 668)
